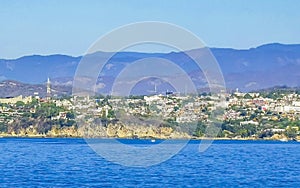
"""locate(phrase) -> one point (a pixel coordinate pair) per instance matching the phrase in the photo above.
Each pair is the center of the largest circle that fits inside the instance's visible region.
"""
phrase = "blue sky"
(70, 27)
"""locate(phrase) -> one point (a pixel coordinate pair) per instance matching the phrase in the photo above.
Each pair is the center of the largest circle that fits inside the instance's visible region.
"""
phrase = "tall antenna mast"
(48, 95)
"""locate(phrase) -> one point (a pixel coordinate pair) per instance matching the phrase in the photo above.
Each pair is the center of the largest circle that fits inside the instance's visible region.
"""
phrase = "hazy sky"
(70, 26)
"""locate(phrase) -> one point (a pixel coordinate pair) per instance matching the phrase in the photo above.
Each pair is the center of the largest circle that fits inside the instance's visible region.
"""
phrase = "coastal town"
(271, 115)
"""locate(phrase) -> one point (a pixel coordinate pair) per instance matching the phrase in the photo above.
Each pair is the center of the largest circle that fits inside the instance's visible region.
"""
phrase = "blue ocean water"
(72, 163)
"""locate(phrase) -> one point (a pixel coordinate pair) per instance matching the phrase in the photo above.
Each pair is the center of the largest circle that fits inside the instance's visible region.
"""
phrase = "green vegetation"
(265, 115)
(35, 117)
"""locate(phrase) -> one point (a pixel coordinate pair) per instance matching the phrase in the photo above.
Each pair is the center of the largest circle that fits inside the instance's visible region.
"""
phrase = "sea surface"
(68, 162)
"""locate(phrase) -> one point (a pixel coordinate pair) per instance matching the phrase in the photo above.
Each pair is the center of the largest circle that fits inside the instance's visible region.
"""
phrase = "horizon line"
(150, 52)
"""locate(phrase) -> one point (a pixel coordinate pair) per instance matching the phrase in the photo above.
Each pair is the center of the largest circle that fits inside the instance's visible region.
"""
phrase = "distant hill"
(256, 68)
(10, 88)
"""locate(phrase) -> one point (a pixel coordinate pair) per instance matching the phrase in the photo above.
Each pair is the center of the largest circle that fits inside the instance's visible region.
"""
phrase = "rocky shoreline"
(5, 135)
(122, 131)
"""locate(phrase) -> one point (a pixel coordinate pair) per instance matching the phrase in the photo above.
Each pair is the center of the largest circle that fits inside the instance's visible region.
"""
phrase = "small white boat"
(152, 140)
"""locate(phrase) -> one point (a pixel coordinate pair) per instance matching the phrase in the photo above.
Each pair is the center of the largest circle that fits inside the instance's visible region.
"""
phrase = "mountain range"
(248, 69)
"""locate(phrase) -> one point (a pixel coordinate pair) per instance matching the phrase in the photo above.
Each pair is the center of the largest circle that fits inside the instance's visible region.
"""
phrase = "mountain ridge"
(248, 69)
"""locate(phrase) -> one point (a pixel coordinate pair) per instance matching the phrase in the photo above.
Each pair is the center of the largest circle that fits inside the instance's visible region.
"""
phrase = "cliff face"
(94, 131)
(130, 131)
(122, 131)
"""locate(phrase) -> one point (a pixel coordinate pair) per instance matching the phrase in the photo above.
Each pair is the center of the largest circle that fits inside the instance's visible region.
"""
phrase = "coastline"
(150, 138)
